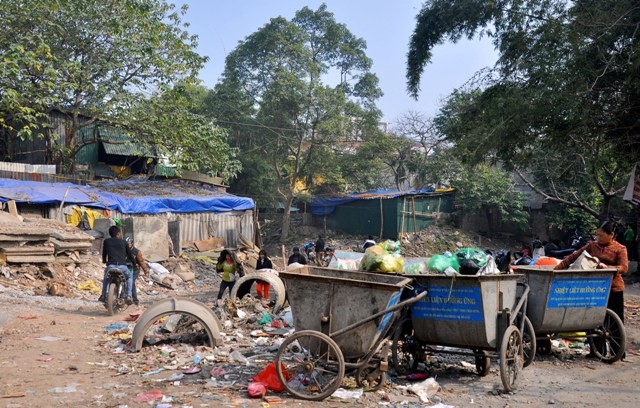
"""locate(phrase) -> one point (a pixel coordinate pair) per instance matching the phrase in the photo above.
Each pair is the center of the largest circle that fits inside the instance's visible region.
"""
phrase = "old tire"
(199, 311)
(608, 341)
(370, 377)
(243, 287)
(483, 362)
(310, 365)
(529, 342)
(511, 357)
(113, 302)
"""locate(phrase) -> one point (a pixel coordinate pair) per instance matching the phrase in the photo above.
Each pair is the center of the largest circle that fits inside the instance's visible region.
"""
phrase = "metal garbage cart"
(342, 320)
(479, 313)
(575, 300)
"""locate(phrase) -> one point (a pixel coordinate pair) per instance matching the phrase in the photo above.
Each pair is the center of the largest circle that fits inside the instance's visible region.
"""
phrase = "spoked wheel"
(511, 357)
(483, 362)
(310, 365)
(529, 342)
(115, 302)
(404, 349)
(371, 377)
(608, 341)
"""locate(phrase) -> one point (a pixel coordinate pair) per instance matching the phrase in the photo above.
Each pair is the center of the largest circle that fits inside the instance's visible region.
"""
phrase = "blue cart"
(575, 300)
(483, 314)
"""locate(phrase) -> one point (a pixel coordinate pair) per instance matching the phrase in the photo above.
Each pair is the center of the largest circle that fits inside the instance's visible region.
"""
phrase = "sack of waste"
(377, 258)
(447, 265)
(478, 256)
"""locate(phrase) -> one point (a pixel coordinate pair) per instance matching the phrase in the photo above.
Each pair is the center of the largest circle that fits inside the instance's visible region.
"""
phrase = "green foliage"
(190, 140)
(558, 106)
(101, 60)
(276, 98)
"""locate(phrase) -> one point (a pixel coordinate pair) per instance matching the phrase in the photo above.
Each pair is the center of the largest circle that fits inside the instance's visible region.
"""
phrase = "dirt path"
(80, 368)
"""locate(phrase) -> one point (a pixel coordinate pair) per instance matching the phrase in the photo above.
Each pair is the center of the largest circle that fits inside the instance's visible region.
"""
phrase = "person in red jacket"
(611, 254)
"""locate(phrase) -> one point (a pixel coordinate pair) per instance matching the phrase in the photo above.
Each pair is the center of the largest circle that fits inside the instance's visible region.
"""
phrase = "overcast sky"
(385, 25)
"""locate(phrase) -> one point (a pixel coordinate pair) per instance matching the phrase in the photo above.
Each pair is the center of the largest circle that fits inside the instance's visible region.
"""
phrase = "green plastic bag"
(440, 263)
(475, 254)
(392, 247)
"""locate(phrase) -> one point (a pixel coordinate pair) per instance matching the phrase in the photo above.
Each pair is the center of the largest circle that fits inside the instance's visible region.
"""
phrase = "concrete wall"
(150, 235)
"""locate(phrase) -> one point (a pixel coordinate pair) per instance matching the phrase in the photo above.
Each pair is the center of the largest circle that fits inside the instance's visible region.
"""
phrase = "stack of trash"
(466, 261)
(384, 257)
(247, 254)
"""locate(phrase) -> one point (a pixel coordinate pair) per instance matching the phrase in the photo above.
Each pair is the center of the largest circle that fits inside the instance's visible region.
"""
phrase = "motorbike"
(577, 242)
(116, 291)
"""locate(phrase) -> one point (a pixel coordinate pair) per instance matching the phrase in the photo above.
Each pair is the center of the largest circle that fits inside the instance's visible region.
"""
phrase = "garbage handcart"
(573, 300)
(482, 314)
(342, 320)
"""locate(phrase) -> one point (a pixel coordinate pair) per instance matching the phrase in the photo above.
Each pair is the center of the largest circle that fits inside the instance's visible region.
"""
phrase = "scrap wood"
(209, 244)
(15, 395)
(28, 316)
(631, 306)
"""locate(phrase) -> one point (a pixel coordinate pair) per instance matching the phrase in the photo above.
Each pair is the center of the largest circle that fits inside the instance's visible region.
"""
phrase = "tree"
(96, 61)
(562, 100)
(275, 96)
(191, 141)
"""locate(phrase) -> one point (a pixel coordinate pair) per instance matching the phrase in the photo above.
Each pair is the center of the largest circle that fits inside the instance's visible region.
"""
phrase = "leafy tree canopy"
(298, 93)
(100, 61)
(563, 100)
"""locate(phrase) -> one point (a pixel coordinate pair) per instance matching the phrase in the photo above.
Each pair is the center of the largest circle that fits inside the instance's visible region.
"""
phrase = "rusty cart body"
(574, 300)
(342, 320)
(483, 314)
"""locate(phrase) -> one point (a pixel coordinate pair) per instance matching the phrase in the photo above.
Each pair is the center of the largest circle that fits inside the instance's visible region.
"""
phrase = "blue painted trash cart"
(342, 320)
(483, 314)
(573, 300)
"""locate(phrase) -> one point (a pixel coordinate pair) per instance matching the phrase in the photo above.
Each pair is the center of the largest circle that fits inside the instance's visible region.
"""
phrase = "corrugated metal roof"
(118, 143)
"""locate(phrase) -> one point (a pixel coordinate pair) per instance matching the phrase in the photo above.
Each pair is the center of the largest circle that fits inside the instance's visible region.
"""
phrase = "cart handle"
(393, 308)
(523, 298)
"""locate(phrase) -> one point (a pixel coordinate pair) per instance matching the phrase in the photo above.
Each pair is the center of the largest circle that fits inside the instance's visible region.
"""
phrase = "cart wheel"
(608, 341)
(511, 357)
(529, 342)
(483, 362)
(370, 377)
(310, 365)
(404, 349)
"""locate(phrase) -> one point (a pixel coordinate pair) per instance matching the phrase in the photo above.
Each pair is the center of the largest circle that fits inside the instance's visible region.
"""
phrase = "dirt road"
(58, 353)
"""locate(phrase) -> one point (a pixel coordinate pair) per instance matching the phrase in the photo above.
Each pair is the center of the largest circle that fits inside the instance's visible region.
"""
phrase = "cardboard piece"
(209, 244)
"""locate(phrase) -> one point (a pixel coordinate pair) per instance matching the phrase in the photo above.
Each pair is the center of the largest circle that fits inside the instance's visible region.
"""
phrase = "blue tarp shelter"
(127, 196)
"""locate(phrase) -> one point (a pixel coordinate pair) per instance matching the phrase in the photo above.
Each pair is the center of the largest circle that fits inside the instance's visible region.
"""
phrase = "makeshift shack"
(383, 213)
(201, 211)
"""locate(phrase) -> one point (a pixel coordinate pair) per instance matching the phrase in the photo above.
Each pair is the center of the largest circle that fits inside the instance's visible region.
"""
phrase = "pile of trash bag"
(384, 257)
(466, 261)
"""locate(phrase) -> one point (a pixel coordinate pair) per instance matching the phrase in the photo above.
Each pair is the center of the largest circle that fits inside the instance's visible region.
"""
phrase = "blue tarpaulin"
(128, 196)
(326, 206)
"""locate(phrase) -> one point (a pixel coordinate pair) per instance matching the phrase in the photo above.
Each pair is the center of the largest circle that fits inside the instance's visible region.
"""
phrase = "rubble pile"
(438, 239)
(41, 240)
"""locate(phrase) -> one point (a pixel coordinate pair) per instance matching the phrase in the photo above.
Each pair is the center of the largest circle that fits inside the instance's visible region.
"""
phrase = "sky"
(385, 25)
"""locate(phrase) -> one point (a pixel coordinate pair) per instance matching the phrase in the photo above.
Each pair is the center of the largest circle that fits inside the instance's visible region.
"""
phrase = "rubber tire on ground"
(613, 329)
(375, 384)
(403, 329)
(511, 357)
(529, 337)
(112, 300)
(328, 341)
(175, 305)
(483, 363)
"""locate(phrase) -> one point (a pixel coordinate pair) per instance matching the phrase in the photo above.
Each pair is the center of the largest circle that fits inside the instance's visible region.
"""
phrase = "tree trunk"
(286, 218)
